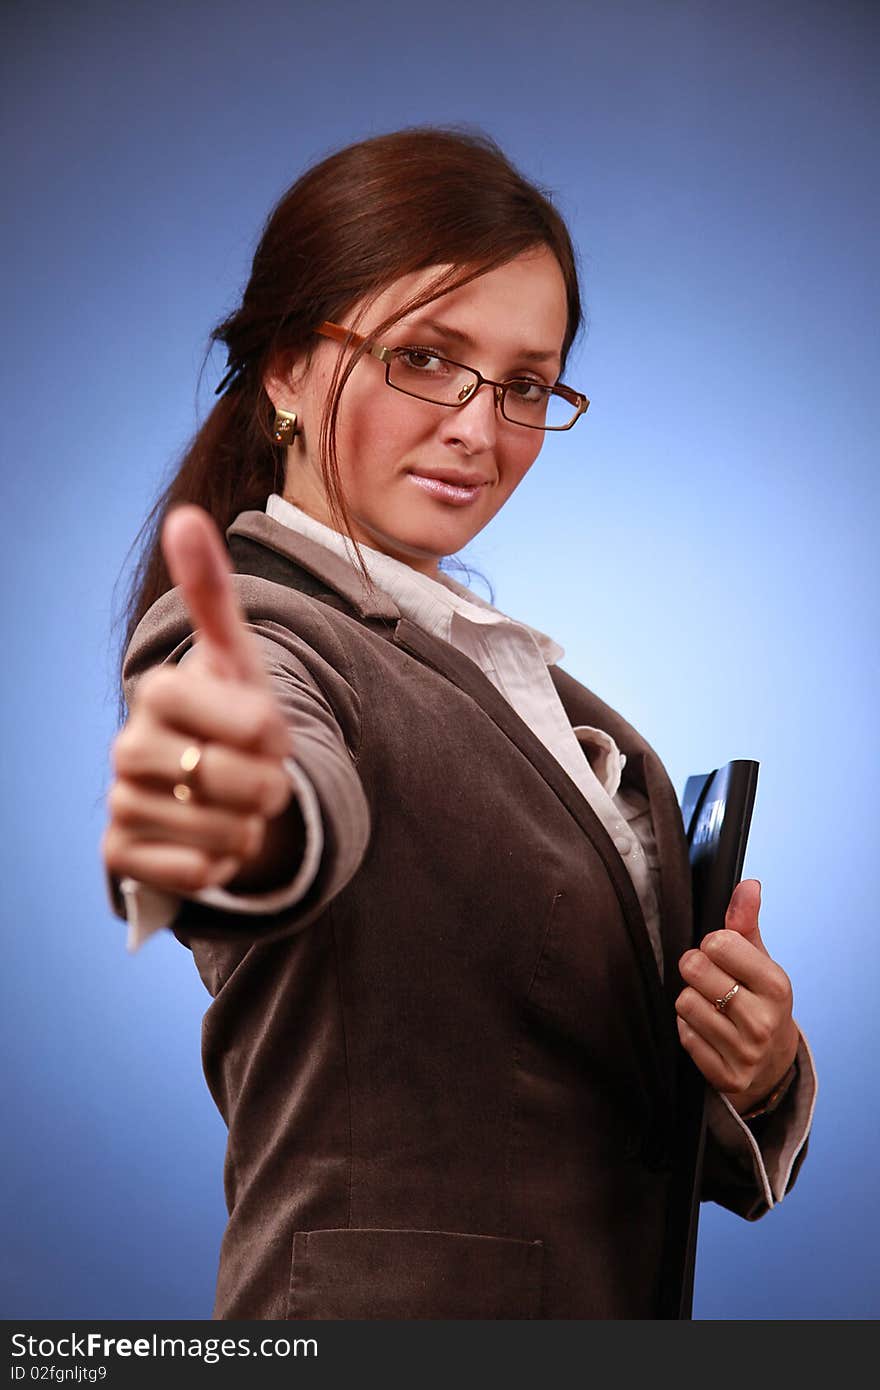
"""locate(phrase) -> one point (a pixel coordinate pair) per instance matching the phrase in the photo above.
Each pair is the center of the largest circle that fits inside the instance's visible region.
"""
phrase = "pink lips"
(457, 493)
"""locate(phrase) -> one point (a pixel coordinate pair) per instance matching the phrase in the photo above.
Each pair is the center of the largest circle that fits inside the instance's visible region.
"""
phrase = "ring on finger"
(722, 1003)
(189, 762)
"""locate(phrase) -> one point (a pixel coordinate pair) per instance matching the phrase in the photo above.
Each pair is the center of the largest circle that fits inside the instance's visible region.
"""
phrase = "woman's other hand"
(219, 700)
(745, 1049)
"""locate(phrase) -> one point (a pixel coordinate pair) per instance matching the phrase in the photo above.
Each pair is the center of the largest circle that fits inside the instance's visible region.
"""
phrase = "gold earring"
(285, 426)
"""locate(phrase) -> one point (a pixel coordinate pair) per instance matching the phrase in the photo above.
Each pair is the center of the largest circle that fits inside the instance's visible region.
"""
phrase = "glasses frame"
(386, 355)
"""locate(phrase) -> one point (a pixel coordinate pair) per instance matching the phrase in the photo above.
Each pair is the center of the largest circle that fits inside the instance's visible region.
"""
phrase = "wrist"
(750, 1109)
(281, 851)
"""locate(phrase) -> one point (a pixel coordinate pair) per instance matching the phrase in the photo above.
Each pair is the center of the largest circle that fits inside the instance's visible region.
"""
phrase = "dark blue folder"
(717, 812)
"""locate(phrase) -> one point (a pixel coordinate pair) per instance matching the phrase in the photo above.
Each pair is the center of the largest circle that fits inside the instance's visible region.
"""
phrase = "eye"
(423, 360)
(532, 392)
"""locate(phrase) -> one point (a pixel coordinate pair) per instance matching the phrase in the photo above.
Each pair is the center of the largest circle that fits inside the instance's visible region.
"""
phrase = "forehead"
(523, 301)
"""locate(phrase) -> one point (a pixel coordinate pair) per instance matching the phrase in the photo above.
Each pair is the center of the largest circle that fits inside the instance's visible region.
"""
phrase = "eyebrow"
(434, 326)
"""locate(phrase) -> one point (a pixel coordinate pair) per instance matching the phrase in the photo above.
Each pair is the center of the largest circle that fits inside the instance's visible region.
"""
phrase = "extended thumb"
(745, 906)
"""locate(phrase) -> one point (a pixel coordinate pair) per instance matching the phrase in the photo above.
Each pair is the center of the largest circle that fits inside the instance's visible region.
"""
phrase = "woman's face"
(511, 321)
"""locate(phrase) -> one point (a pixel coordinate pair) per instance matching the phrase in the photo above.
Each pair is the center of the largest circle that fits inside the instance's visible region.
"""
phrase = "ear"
(284, 379)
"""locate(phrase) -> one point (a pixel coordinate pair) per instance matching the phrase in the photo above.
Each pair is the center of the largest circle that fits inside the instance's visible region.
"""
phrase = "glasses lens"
(421, 373)
(528, 403)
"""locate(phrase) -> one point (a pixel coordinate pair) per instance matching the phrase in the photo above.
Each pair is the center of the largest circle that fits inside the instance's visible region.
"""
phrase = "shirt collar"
(431, 603)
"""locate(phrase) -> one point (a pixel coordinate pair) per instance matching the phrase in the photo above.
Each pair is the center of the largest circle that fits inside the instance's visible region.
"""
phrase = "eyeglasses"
(421, 372)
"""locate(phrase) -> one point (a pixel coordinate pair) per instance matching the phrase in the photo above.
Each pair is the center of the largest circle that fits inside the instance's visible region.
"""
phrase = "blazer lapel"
(675, 871)
(645, 771)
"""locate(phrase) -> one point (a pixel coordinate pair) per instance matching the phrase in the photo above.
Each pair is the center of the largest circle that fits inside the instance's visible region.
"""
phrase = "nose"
(475, 424)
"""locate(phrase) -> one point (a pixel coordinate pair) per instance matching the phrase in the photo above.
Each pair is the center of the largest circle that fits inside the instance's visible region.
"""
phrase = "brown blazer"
(449, 1073)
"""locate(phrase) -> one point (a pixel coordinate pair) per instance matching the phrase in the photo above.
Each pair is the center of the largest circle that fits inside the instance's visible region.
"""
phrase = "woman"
(438, 890)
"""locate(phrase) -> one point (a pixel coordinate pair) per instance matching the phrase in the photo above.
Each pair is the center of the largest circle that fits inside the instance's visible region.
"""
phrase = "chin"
(417, 544)
(432, 549)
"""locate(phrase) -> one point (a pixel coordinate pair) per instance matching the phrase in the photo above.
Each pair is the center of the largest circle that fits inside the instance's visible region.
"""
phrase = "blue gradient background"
(703, 545)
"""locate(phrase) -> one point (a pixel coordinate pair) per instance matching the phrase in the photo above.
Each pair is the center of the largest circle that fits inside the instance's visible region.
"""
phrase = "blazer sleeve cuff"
(755, 1162)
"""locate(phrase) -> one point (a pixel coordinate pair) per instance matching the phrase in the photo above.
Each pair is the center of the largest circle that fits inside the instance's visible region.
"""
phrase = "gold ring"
(189, 761)
(721, 1004)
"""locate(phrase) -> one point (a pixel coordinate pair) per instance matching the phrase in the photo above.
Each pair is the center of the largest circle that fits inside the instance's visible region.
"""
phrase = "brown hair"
(351, 225)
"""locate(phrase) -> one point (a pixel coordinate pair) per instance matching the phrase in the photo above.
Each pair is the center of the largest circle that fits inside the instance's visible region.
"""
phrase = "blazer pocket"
(361, 1272)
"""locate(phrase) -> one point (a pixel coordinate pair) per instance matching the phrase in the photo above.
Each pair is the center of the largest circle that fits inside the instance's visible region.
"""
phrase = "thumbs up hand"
(226, 818)
(735, 1013)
